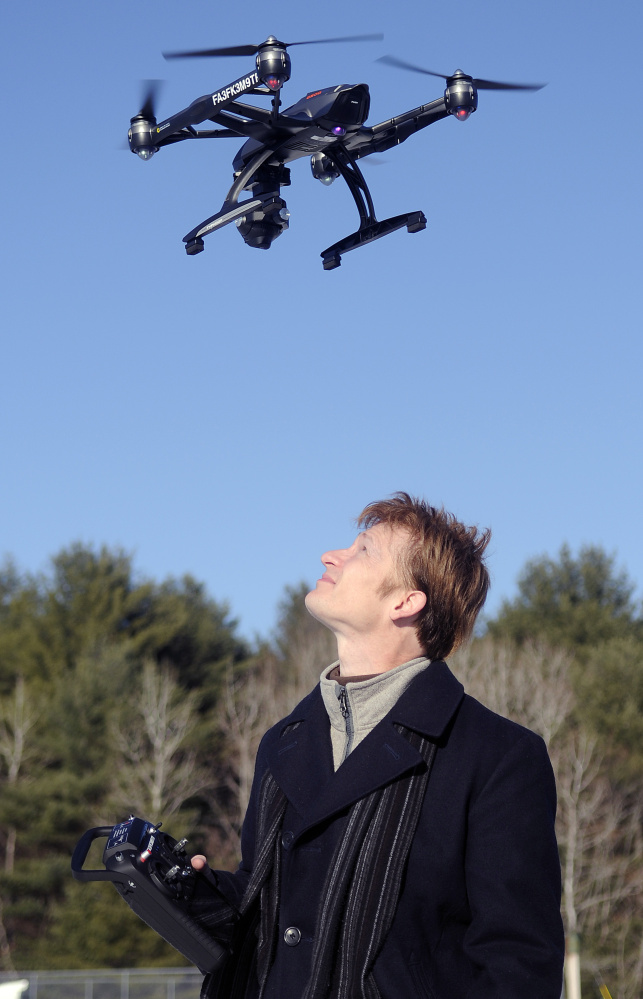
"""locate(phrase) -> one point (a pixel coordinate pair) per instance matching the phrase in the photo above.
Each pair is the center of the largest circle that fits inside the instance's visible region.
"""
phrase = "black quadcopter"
(327, 125)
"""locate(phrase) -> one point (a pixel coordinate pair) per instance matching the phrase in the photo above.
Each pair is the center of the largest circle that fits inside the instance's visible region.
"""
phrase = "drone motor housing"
(273, 64)
(323, 168)
(460, 96)
(140, 136)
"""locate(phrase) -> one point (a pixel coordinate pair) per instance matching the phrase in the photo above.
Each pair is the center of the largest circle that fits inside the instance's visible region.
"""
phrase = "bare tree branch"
(155, 774)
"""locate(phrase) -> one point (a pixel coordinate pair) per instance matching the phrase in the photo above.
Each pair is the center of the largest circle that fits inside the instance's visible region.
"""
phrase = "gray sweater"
(356, 707)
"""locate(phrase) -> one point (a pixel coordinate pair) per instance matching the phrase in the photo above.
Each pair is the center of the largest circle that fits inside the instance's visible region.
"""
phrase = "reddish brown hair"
(442, 558)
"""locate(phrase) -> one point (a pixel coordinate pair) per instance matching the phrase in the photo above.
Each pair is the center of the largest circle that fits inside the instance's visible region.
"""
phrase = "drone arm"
(201, 109)
(409, 122)
(198, 111)
(217, 133)
(191, 133)
(394, 131)
(251, 129)
(262, 115)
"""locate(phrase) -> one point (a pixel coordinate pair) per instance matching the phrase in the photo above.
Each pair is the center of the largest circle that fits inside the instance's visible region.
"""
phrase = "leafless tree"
(531, 685)
(17, 718)
(156, 771)
(245, 711)
(599, 832)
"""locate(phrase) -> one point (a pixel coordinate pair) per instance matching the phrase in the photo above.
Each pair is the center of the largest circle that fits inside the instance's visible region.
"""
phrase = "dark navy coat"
(479, 912)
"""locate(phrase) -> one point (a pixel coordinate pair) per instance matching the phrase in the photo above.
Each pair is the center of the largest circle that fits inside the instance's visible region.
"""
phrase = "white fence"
(123, 983)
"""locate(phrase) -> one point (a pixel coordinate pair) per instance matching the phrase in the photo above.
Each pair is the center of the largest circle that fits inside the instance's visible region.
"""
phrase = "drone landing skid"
(265, 205)
(332, 257)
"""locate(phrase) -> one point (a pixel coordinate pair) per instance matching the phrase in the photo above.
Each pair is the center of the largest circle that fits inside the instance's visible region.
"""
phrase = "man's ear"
(407, 606)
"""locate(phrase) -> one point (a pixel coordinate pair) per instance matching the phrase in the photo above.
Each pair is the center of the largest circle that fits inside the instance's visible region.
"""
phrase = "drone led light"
(274, 82)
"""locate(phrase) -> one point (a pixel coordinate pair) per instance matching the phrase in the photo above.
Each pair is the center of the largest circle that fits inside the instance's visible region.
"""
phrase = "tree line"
(123, 695)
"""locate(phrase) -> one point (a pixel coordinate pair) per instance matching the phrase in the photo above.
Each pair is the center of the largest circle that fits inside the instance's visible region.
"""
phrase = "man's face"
(348, 597)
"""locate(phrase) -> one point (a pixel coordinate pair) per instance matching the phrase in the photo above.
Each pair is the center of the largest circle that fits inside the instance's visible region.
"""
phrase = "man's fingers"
(199, 862)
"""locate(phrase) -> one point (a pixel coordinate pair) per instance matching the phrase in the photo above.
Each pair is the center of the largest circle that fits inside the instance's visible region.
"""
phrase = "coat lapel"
(301, 760)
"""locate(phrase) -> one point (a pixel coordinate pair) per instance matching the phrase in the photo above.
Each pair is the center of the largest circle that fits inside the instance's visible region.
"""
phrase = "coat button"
(287, 840)
(292, 936)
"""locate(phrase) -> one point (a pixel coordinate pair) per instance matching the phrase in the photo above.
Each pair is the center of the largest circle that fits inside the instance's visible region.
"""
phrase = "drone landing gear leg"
(369, 228)
(231, 208)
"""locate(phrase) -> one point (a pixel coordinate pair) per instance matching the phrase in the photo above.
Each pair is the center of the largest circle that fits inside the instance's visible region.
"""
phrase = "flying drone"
(327, 125)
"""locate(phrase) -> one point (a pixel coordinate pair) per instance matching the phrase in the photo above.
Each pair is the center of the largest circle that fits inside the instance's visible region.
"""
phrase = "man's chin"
(313, 605)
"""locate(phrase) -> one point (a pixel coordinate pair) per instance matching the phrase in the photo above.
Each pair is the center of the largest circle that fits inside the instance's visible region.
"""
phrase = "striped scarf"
(360, 895)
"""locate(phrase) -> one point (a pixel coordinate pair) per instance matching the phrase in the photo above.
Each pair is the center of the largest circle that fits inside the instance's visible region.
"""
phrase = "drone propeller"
(248, 50)
(479, 84)
(150, 97)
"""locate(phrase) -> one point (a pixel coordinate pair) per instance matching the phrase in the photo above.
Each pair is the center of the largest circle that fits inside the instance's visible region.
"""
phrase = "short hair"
(442, 558)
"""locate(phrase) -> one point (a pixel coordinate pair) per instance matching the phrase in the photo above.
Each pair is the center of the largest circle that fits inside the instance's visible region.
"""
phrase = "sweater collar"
(370, 699)
(427, 705)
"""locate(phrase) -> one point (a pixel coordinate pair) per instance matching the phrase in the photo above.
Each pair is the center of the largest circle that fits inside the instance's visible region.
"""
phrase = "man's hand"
(200, 865)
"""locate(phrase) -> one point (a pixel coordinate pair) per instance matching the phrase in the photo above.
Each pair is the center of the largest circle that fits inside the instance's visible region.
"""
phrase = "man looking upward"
(399, 841)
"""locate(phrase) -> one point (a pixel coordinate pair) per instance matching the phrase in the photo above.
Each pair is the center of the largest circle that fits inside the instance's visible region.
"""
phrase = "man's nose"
(335, 557)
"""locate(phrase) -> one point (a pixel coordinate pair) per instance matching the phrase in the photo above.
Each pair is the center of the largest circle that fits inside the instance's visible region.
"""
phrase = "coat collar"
(300, 758)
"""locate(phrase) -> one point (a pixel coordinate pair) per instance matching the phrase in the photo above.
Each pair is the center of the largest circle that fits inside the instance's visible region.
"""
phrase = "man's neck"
(363, 657)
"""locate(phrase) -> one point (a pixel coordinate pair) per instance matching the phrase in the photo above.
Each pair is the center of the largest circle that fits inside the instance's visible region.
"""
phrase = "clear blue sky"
(228, 414)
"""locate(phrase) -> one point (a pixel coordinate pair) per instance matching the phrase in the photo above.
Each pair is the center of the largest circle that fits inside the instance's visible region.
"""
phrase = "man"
(399, 841)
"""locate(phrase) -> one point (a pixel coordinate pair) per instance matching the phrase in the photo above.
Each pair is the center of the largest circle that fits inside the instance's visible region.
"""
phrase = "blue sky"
(228, 414)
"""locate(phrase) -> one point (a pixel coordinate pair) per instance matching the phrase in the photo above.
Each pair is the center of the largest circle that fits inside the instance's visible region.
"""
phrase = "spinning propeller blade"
(400, 64)
(150, 96)
(248, 50)
(235, 50)
(495, 85)
(479, 84)
(348, 38)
